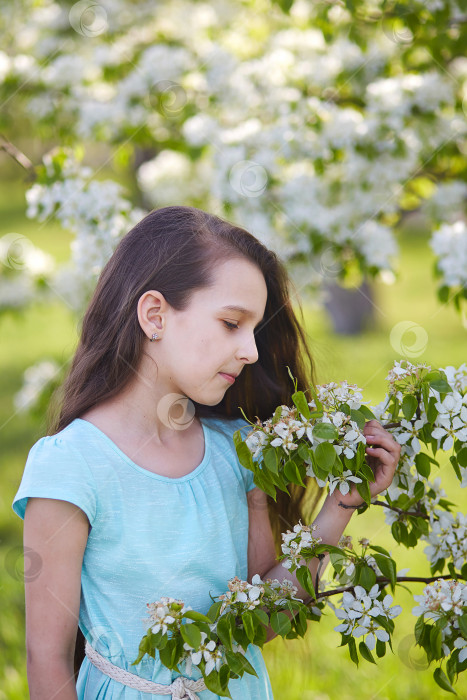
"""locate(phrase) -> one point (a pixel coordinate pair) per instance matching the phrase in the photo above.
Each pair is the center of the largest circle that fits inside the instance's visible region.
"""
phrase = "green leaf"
(422, 464)
(301, 403)
(214, 610)
(451, 665)
(409, 406)
(353, 650)
(165, 656)
(260, 635)
(292, 473)
(261, 616)
(462, 457)
(366, 471)
(325, 431)
(213, 684)
(239, 663)
(440, 385)
(171, 653)
(455, 466)
(463, 624)
(377, 548)
(304, 577)
(367, 577)
(443, 293)
(224, 630)
(249, 625)
(270, 459)
(191, 635)
(325, 455)
(237, 438)
(285, 5)
(244, 456)
(224, 676)
(369, 415)
(338, 467)
(364, 491)
(436, 641)
(426, 394)
(337, 561)
(262, 480)
(432, 411)
(422, 525)
(280, 623)
(301, 622)
(195, 615)
(380, 648)
(277, 415)
(396, 530)
(419, 627)
(388, 567)
(442, 680)
(318, 404)
(240, 637)
(358, 417)
(144, 648)
(365, 652)
(418, 490)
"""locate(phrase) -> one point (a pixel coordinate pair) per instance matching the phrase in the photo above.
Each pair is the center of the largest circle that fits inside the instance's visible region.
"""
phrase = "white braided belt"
(181, 688)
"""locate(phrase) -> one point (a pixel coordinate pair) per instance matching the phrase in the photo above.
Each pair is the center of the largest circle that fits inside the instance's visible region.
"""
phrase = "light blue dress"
(151, 536)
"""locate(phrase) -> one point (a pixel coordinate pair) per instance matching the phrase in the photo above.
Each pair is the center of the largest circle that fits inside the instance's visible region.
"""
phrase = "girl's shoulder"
(56, 467)
(67, 443)
(227, 426)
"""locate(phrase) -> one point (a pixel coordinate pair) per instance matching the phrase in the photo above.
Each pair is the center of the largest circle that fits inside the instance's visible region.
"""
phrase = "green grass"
(313, 668)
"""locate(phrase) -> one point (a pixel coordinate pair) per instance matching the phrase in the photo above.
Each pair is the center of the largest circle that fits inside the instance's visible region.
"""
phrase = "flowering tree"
(315, 125)
(426, 411)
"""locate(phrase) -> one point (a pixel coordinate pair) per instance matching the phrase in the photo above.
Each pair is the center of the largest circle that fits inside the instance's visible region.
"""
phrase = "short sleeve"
(55, 469)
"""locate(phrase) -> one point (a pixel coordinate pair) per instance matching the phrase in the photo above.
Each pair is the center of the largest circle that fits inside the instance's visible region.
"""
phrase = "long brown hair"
(174, 250)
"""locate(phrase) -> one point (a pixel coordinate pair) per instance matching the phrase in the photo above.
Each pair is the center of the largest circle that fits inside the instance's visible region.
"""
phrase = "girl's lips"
(228, 377)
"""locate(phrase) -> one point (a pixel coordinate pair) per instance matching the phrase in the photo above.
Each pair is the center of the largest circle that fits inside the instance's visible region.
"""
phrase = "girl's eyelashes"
(230, 326)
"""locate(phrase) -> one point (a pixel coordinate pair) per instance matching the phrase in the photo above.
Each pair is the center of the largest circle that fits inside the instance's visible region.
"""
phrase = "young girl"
(137, 493)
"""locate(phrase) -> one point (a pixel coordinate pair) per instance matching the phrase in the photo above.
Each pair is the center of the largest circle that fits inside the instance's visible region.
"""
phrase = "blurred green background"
(313, 668)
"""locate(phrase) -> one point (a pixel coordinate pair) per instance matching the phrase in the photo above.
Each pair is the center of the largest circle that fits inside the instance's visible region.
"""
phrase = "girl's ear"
(152, 309)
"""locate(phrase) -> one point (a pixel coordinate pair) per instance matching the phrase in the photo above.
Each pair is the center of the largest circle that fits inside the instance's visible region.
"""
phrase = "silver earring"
(154, 336)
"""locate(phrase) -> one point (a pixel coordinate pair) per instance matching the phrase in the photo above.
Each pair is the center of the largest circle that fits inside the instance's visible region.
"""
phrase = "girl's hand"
(382, 455)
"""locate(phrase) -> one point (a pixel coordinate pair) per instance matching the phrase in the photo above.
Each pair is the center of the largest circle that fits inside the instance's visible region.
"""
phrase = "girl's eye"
(230, 326)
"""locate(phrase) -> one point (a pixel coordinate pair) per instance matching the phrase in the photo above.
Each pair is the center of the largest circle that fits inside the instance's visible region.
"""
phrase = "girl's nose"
(249, 353)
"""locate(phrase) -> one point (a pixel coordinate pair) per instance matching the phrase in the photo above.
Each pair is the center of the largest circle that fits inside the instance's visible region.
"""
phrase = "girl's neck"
(122, 416)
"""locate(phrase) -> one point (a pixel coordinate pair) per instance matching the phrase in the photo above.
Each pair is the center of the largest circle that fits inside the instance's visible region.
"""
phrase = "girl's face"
(214, 336)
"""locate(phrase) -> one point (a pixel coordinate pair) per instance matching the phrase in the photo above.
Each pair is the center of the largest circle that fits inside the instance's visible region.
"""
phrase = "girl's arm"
(330, 522)
(55, 536)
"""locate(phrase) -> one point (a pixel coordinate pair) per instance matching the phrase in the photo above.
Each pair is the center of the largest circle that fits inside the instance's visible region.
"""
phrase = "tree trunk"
(350, 310)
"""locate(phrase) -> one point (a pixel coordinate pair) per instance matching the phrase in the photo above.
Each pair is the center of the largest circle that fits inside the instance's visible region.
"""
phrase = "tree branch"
(321, 559)
(416, 513)
(17, 155)
(383, 579)
(396, 424)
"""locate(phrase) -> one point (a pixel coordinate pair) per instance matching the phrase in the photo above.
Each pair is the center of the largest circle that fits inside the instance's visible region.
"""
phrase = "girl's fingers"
(385, 441)
(380, 434)
(383, 452)
(384, 472)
